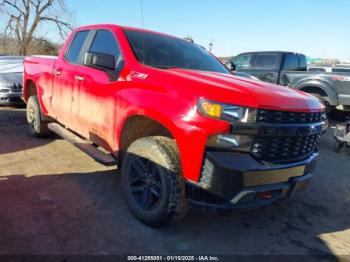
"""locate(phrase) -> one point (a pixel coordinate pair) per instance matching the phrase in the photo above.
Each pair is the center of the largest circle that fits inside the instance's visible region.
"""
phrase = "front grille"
(291, 137)
(283, 149)
(271, 116)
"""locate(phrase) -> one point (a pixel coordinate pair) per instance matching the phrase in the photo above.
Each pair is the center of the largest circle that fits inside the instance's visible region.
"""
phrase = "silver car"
(11, 77)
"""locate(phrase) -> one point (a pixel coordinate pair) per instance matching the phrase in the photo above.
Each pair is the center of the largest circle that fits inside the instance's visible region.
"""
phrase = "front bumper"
(238, 181)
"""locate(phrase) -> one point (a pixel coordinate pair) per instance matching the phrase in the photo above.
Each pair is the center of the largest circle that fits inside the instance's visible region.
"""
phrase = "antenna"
(211, 44)
(142, 26)
(141, 3)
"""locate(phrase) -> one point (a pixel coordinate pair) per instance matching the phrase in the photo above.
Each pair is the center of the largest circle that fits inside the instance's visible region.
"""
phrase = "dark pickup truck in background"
(290, 69)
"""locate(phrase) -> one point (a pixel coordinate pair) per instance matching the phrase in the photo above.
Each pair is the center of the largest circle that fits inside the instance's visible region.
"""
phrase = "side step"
(85, 146)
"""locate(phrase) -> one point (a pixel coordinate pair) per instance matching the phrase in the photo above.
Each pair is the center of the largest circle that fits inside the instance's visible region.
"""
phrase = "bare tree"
(24, 18)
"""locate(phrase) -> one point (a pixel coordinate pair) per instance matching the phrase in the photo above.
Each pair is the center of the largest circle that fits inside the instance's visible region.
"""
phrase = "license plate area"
(268, 177)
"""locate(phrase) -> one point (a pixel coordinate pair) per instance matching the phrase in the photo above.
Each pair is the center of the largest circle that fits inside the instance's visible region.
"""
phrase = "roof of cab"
(111, 26)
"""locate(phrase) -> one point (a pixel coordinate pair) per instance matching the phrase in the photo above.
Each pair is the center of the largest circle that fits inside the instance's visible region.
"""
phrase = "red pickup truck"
(181, 127)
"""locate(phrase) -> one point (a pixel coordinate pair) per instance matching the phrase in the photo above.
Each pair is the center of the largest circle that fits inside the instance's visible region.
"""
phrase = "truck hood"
(250, 93)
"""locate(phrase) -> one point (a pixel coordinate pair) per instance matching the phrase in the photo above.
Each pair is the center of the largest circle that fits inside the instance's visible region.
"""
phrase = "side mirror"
(101, 61)
(232, 66)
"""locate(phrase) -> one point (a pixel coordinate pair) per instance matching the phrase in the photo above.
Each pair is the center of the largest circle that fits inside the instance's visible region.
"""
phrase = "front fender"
(189, 129)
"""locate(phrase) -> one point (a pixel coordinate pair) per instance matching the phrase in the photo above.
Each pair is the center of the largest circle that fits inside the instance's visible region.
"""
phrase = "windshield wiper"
(163, 67)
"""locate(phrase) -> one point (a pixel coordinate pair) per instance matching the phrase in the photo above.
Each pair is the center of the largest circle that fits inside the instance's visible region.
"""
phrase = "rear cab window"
(294, 62)
(302, 63)
(291, 62)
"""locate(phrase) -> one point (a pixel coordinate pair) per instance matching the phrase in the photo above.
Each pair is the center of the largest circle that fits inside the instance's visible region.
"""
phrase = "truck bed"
(40, 69)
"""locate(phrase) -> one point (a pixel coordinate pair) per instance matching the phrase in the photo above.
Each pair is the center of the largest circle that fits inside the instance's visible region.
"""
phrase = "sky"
(317, 28)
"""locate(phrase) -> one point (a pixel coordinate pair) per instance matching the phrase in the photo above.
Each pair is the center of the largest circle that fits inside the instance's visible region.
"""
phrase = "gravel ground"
(55, 200)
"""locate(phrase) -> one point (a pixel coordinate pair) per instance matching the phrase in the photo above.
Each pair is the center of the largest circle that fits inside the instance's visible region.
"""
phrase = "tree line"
(24, 25)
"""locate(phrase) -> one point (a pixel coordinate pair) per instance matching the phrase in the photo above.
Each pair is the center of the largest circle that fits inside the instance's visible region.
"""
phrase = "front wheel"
(152, 181)
(37, 127)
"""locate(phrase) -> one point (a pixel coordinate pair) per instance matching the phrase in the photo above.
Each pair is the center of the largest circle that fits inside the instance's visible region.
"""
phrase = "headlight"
(230, 113)
(231, 142)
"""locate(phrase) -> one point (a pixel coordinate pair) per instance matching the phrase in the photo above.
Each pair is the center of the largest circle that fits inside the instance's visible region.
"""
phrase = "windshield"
(169, 52)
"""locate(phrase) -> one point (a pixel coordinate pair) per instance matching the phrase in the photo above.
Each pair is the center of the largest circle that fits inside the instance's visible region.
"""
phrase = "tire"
(338, 115)
(37, 127)
(152, 181)
(337, 146)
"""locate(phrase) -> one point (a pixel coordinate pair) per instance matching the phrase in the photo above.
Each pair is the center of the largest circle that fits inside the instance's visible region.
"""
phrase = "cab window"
(74, 54)
(105, 43)
(265, 61)
(243, 61)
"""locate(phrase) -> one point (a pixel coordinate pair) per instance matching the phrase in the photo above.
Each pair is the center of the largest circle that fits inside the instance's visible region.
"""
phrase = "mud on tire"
(36, 125)
(152, 181)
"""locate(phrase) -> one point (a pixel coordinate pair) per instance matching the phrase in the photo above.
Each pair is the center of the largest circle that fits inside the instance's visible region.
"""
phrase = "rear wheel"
(36, 125)
(152, 181)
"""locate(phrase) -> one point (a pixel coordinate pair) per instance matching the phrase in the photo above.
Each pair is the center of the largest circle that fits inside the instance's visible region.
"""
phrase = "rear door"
(264, 66)
(94, 104)
(64, 78)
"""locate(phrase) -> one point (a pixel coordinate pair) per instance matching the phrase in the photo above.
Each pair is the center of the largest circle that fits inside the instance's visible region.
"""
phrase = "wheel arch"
(321, 87)
(137, 126)
(30, 89)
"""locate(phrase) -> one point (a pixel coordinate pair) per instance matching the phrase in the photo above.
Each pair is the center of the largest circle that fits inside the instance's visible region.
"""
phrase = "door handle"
(79, 78)
(58, 72)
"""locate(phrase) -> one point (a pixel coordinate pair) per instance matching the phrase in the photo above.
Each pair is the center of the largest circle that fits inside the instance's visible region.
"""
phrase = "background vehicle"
(341, 68)
(342, 136)
(290, 69)
(11, 78)
(319, 69)
(329, 69)
(180, 126)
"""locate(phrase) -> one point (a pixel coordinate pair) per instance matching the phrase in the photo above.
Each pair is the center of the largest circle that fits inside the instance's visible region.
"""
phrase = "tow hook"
(266, 195)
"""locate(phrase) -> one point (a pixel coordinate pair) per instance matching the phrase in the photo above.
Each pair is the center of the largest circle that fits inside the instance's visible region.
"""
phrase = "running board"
(85, 146)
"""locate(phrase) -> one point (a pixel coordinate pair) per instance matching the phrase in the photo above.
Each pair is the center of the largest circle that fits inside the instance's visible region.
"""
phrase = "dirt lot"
(56, 200)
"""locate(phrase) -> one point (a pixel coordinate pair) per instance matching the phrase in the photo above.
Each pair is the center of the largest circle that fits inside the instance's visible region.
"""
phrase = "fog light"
(234, 142)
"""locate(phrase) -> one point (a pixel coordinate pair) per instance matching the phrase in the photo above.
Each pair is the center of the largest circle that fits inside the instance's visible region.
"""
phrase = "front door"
(94, 104)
